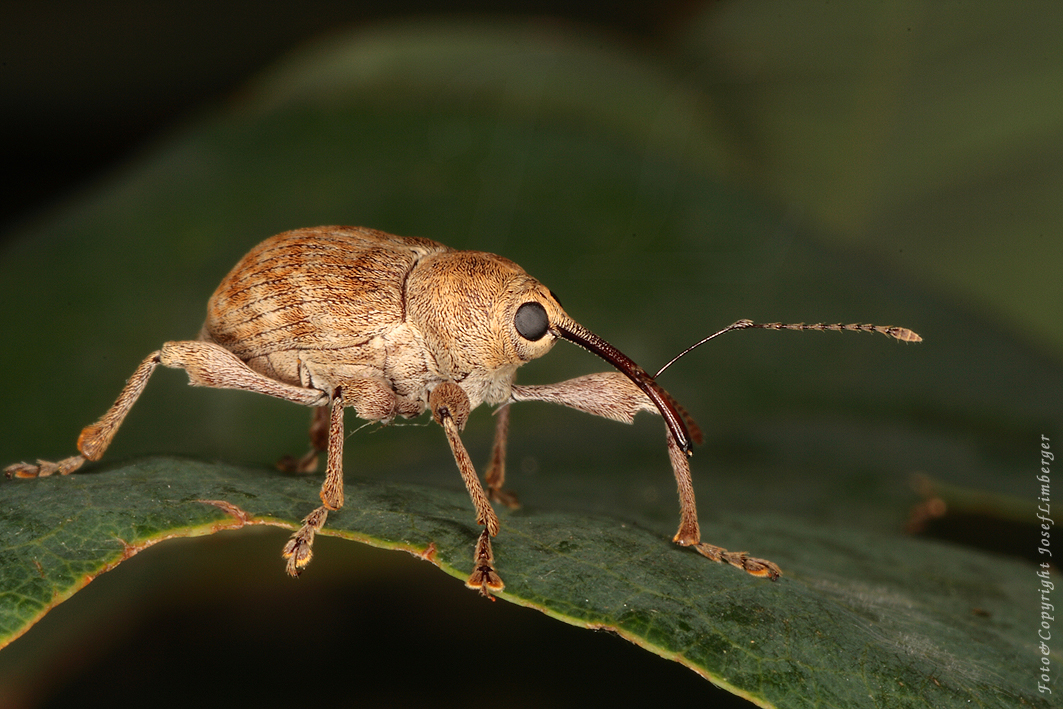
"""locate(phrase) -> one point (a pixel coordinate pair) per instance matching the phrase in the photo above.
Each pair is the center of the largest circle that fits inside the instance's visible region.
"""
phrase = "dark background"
(84, 85)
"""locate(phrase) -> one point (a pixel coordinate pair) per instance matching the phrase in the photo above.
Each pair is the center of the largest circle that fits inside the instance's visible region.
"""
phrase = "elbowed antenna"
(898, 333)
(670, 412)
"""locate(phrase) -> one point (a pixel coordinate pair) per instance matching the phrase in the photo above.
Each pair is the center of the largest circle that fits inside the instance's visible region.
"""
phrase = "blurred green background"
(665, 169)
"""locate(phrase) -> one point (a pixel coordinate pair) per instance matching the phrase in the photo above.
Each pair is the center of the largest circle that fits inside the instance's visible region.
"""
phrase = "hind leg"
(206, 363)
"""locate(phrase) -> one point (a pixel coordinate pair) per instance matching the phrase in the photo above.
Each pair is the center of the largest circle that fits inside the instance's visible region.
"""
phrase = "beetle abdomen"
(326, 288)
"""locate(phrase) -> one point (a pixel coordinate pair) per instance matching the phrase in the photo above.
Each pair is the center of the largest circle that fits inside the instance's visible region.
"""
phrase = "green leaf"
(857, 616)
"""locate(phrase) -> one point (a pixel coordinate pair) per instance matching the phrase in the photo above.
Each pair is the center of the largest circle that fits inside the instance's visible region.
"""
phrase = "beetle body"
(391, 326)
(316, 307)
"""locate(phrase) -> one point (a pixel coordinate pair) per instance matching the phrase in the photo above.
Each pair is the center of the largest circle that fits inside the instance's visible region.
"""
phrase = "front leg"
(690, 535)
(613, 396)
(450, 409)
(610, 395)
(496, 470)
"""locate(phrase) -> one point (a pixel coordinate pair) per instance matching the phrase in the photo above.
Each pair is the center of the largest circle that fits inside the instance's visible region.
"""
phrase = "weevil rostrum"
(343, 317)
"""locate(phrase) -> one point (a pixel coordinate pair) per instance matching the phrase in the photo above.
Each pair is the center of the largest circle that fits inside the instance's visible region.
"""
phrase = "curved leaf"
(857, 616)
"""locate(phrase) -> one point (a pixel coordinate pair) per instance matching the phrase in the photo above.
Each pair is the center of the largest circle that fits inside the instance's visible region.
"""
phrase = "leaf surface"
(857, 615)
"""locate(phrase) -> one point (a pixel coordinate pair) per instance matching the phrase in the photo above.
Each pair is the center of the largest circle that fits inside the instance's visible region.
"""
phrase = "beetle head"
(479, 313)
(481, 317)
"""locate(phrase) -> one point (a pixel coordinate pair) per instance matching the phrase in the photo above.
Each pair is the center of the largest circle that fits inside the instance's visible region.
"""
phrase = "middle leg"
(373, 400)
(299, 549)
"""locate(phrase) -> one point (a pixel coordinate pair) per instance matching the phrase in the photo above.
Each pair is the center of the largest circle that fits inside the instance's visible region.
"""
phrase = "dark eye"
(531, 321)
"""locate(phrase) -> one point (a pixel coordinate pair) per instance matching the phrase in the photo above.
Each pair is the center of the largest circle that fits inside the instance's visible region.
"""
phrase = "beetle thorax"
(463, 303)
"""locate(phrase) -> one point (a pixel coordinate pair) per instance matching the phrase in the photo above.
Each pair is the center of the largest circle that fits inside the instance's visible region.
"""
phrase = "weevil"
(344, 317)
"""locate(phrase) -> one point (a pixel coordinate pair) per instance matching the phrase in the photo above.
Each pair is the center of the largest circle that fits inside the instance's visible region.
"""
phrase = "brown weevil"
(337, 317)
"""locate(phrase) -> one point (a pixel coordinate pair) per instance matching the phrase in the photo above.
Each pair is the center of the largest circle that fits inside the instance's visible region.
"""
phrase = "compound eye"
(531, 321)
